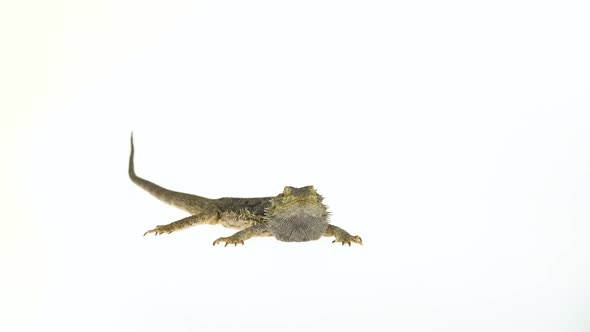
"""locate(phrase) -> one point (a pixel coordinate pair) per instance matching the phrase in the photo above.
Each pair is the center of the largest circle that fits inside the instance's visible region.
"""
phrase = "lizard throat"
(298, 223)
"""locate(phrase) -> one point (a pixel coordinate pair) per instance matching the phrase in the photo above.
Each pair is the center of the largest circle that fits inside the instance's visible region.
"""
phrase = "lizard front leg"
(197, 219)
(342, 236)
(243, 235)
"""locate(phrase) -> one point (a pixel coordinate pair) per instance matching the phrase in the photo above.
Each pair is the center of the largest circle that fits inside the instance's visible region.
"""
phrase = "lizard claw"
(228, 240)
(160, 229)
(348, 239)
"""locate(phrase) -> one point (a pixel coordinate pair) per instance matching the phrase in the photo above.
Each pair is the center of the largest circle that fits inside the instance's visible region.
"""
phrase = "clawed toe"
(158, 230)
(155, 231)
(228, 240)
(349, 240)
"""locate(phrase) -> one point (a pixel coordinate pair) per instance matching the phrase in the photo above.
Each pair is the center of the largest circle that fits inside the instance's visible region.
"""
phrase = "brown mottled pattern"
(295, 215)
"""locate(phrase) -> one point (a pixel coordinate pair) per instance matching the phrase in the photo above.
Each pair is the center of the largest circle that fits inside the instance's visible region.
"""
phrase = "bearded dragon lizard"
(295, 215)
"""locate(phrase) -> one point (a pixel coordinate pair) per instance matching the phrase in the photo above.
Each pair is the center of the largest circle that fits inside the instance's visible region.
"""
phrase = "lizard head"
(292, 195)
(297, 214)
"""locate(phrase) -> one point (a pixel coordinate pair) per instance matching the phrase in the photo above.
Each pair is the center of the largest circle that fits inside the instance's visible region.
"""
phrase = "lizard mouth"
(299, 203)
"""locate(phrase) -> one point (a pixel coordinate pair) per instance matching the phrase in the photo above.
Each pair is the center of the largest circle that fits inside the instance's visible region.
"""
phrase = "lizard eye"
(287, 191)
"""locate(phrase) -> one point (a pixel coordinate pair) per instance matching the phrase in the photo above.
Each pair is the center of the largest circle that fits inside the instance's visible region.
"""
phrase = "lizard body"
(295, 215)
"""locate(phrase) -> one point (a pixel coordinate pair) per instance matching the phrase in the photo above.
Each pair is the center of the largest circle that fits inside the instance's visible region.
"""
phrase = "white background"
(452, 136)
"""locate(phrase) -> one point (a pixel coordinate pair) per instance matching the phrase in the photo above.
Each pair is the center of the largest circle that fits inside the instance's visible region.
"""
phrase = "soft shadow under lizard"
(295, 215)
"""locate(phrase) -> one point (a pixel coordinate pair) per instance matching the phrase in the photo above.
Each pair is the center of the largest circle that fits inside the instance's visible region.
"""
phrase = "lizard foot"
(160, 229)
(348, 239)
(229, 240)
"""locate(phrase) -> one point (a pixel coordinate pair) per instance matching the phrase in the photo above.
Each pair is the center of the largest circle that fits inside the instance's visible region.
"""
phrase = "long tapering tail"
(190, 203)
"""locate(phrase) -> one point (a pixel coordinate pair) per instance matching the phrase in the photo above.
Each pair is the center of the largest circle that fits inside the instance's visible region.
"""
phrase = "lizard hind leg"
(197, 219)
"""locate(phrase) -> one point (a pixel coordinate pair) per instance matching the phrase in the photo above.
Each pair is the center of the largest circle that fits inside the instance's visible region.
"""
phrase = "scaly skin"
(295, 215)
